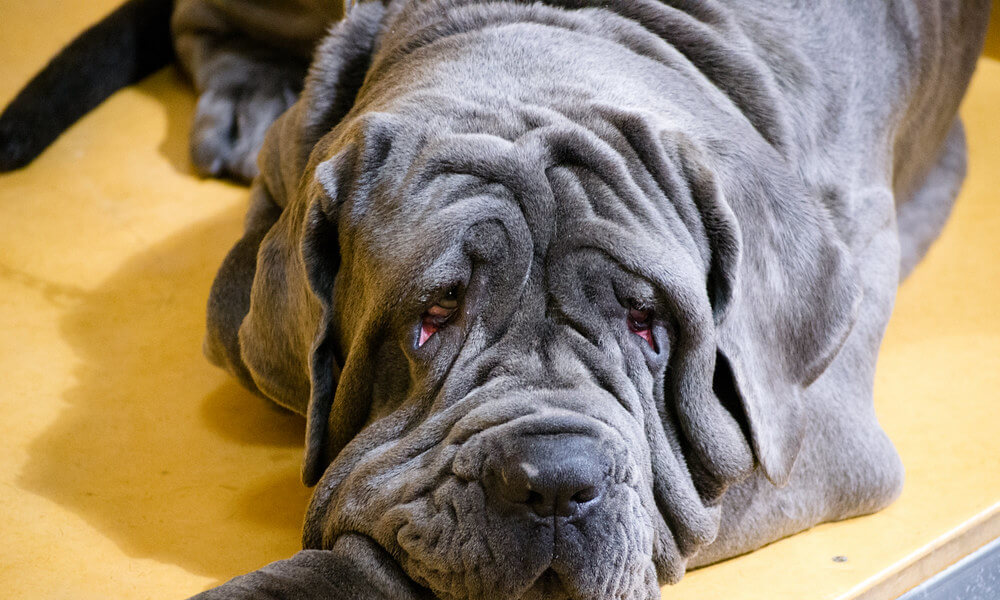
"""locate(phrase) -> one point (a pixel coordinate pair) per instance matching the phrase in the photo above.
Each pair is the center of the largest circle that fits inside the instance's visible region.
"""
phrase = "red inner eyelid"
(639, 324)
(432, 321)
(427, 329)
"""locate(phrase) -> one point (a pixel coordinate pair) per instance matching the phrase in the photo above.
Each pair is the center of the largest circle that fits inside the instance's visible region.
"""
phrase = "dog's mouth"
(548, 586)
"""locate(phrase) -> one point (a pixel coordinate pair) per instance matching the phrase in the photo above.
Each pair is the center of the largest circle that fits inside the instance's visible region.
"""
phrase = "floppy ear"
(784, 293)
(268, 311)
(321, 254)
(351, 173)
(287, 338)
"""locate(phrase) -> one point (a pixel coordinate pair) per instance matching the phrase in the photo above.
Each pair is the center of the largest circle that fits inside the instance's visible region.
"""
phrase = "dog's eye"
(436, 316)
(640, 322)
(449, 301)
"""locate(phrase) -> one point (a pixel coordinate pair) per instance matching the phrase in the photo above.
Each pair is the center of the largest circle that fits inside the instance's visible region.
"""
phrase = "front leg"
(248, 60)
(356, 568)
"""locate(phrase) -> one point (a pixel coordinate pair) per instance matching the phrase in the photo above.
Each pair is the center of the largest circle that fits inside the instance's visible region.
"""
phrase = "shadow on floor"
(157, 449)
(171, 88)
(992, 48)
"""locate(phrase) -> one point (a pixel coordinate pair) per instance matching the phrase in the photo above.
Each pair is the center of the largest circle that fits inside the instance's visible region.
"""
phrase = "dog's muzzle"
(543, 505)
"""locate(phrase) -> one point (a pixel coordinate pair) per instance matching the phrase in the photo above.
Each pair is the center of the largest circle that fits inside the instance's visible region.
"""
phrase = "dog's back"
(871, 93)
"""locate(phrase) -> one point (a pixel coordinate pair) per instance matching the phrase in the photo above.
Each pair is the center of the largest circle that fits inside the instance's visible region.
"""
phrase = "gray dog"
(573, 295)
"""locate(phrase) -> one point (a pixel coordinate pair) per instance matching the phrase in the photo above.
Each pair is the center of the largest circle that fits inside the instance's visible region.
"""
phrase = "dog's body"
(573, 298)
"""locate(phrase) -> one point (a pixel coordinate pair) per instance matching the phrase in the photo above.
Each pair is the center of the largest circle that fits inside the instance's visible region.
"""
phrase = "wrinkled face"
(511, 348)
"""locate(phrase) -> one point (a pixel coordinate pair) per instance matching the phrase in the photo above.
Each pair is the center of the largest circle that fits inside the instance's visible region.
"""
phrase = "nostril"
(585, 495)
(536, 501)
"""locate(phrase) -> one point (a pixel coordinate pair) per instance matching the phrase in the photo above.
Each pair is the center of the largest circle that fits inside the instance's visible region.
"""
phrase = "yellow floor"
(130, 468)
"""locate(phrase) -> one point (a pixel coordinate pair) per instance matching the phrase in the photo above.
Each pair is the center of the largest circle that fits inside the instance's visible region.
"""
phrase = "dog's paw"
(231, 120)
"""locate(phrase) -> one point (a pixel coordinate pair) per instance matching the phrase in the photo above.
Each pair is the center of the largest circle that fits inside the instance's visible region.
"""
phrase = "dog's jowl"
(574, 296)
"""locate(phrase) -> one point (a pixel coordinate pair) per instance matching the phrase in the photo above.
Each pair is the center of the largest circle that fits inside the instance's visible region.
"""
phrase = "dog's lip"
(549, 585)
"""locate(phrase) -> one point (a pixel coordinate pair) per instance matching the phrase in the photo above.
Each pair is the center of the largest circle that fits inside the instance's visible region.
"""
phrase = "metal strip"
(975, 577)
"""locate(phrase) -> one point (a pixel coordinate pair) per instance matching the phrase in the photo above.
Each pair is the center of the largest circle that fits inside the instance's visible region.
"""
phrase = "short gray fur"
(757, 174)
(975, 577)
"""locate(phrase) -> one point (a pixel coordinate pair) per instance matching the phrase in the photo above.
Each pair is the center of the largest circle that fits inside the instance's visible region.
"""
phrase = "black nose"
(552, 474)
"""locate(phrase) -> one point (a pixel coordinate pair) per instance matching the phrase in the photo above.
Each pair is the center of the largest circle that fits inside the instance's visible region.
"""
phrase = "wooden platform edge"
(930, 559)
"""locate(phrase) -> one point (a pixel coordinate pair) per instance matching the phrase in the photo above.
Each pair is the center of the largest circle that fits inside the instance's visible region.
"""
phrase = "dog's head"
(536, 346)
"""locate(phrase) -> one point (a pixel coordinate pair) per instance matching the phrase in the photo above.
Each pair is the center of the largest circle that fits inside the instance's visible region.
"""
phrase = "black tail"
(127, 45)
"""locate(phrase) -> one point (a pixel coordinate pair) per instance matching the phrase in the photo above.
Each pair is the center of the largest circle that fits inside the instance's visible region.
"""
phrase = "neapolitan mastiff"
(573, 295)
